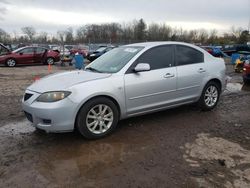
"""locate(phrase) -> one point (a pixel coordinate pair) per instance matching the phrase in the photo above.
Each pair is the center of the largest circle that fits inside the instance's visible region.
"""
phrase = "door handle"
(169, 75)
(201, 70)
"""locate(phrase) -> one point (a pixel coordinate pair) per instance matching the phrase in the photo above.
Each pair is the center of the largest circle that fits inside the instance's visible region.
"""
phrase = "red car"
(79, 49)
(246, 71)
(28, 55)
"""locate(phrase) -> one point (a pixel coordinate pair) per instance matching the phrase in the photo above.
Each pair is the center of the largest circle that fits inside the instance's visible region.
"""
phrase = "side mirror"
(21, 53)
(141, 67)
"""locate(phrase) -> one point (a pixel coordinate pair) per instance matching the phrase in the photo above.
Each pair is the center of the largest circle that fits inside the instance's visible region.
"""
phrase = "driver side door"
(154, 89)
(26, 56)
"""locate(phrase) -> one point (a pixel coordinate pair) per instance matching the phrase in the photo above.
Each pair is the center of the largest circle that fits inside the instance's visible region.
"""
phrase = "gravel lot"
(181, 147)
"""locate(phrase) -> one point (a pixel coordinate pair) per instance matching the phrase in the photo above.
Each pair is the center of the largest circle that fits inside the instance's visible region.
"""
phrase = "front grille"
(28, 116)
(27, 96)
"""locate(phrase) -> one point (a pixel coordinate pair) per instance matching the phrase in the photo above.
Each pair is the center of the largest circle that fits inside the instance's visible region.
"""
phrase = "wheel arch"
(99, 96)
(216, 80)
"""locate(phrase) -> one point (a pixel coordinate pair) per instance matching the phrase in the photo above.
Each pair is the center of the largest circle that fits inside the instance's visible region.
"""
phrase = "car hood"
(62, 81)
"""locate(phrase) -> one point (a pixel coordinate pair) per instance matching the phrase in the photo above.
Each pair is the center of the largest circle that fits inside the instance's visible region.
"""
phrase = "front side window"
(27, 51)
(158, 57)
(186, 55)
(114, 60)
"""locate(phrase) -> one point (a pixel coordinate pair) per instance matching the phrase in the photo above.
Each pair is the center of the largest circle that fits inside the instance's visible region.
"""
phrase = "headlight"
(53, 96)
(92, 55)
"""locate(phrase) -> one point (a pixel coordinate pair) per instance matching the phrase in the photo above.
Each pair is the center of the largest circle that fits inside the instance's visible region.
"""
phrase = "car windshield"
(114, 60)
(101, 49)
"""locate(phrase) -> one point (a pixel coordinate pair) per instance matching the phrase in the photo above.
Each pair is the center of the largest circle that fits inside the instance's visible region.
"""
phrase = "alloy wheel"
(11, 63)
(211, 96)
(50, 61)
(99, 119)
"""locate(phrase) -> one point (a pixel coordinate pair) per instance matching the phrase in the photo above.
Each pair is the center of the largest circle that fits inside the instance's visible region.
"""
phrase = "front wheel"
(11, 63)
(97, 118)
(210, 96)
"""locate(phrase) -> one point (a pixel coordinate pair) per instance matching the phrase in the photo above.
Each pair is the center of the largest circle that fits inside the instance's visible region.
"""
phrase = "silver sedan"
(127, 81)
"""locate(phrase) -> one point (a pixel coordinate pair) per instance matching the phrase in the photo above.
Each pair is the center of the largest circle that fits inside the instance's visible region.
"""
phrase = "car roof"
(152, 44)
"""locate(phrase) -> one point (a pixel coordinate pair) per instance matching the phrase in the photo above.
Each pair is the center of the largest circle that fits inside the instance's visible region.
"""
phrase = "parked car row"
(27, 55)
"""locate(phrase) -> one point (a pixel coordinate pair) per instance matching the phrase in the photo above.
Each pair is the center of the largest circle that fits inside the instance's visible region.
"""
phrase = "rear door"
(191, 71)
(40, 55)
(146, 91)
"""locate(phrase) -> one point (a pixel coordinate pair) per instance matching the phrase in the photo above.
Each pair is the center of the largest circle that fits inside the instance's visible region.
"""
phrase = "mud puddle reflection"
(30, 157)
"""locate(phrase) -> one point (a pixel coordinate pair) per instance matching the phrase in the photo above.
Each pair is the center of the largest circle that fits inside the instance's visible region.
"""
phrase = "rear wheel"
(50, 61)
(97, 118)
(11, 62)
(210, 96)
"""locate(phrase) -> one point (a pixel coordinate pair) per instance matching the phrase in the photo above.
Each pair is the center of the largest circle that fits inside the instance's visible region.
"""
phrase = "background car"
(83, 50)
(4, 50)
(215, 51)
(29, 55)
(246, 71)
(127, 81)
(100, 51)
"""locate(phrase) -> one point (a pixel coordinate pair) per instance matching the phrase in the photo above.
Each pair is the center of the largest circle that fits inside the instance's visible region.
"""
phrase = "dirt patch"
(209, 150)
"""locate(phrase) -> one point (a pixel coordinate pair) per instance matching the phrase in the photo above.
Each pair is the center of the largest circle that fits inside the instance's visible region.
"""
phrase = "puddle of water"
(234, 87)
(237, 87)
(62, 159)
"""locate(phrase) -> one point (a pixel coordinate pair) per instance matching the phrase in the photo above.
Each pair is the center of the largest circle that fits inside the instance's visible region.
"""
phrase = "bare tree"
(29, 31)
(69, 38)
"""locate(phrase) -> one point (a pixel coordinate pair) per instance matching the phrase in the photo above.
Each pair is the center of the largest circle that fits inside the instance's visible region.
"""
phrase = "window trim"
(175, 52)
(133, 65)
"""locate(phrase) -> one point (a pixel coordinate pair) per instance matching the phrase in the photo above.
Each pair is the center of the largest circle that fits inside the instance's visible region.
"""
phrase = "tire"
(246, 81)
(50, 61)
(10, 63)
(210, 96)
(97, 118)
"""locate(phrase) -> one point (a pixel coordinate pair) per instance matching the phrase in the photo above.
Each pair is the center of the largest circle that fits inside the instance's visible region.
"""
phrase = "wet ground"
(181, 147)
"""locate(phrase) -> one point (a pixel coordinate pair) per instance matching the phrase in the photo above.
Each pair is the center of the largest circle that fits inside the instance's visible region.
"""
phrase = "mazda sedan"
(127, 81)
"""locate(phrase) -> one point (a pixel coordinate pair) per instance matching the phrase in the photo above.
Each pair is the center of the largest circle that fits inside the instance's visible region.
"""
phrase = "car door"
(26, 56)
(40, 55)
(191, 71)
(149, 90)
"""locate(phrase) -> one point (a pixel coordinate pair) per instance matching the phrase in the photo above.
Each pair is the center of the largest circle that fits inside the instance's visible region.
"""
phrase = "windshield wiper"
(93, 69)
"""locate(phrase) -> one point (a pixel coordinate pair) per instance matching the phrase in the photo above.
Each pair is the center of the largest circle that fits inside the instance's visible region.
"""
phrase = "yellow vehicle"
(239, 64)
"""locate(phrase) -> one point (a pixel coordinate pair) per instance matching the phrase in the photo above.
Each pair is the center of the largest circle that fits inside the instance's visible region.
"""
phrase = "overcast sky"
(53, 15)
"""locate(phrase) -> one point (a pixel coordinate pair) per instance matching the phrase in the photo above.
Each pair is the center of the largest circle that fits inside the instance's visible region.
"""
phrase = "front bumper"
(52, 117)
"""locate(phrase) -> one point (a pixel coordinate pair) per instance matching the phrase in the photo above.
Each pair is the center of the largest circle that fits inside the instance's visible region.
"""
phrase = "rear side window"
(187, 55)
(158, 57)
(40, 50)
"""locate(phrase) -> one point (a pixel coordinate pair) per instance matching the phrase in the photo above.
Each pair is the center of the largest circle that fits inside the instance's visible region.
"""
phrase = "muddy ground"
(181, 147)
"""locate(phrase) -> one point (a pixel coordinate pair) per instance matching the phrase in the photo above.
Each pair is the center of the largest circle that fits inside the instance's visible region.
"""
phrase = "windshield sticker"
(131, 50)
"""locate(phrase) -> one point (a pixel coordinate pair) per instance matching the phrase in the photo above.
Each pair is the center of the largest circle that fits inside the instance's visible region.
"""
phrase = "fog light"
(46, 121)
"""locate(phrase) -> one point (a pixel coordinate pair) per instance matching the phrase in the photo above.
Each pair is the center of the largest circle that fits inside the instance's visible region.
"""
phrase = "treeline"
(136, 31)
